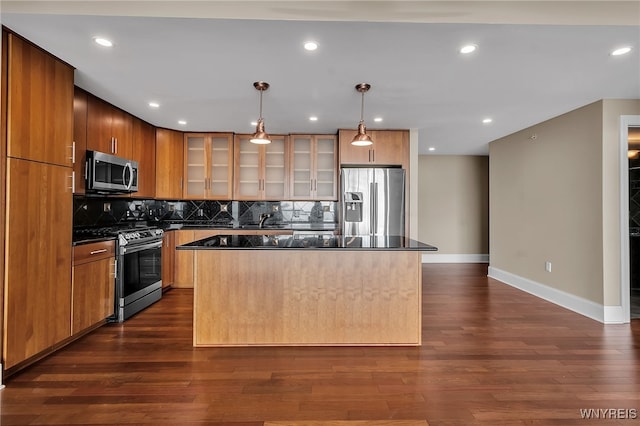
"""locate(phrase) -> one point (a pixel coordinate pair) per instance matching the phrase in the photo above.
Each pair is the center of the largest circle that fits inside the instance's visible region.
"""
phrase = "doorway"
(633, 154)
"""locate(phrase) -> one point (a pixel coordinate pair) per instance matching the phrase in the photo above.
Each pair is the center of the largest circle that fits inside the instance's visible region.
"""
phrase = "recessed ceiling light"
(310, 45)
(254, 123)
(431, 148)
(621, 51)
(182, 122)
(487, 120)
(468, 48)
(377, 119)
(313, 118)
(103, 41)
(154, 105)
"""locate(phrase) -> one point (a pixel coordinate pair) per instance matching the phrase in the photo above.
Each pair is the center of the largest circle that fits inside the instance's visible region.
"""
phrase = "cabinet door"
(169, 151)
(39, 105)
(79, 138)
(301, 165)
(109, 129)
(122, 131)
(274, 169)
(37, 287)
(351, 154)
(93, 293)
(184, 258)
(195, 167)
(247, 175)
(168, 258)
(99, 124)
(325, 168)
(144, 152)
(221, 167)
(389, 146)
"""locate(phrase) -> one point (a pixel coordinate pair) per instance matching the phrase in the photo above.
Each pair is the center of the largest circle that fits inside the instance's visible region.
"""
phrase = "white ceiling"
(199, 59)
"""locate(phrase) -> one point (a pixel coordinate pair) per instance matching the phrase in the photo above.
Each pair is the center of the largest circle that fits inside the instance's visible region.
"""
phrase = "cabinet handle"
(72, 185)
(98, 251)
(115, 268)
(373, 154)
(73, 182)
(113, 145)
(369, 155)
(116, 146)
(73, 152)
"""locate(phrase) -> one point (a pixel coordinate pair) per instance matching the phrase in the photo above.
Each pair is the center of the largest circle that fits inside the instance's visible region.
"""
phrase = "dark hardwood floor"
(491, 355)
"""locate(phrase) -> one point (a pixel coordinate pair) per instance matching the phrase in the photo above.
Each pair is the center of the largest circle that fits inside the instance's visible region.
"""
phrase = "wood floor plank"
(491, 355)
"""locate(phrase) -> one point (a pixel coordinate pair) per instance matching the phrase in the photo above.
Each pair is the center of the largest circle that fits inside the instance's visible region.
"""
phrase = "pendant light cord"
(362, 109)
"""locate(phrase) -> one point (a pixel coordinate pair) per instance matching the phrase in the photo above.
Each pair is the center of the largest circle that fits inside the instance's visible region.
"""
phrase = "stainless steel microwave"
(109, 174)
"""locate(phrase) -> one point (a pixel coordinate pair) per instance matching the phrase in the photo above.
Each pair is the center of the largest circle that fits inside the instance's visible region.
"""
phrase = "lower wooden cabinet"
(93, 286)
(168, 259)
(37, 280)
(184, 258)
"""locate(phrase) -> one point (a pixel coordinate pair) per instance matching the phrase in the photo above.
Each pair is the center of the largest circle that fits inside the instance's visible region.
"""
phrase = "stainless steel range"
(138, 264)
(139, 275)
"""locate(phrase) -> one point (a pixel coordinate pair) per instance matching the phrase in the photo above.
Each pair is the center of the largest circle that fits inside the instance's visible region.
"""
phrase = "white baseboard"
(615, 315)
(596, 311)
(454, 258)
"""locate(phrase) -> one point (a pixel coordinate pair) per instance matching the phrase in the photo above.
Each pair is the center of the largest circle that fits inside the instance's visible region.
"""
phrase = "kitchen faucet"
(263, 218)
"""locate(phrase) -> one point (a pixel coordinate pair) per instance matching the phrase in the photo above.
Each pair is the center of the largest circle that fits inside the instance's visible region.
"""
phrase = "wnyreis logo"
(609, 413)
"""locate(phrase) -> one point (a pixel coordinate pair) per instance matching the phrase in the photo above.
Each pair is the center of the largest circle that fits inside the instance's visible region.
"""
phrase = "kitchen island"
(325, 290)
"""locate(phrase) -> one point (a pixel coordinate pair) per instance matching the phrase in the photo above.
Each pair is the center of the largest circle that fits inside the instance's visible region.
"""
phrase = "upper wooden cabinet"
(143, 150)
(169, 152)
(390, 148)
(260, 171)
(39, 104)
(109, 129)
(313, 171)
(80, 99)
(208, 166)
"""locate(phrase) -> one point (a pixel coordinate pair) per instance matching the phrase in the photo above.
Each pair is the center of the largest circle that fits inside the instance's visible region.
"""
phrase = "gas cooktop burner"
(126, 234)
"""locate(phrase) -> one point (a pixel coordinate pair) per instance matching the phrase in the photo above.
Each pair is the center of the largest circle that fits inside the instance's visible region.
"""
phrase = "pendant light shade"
(362, 138)
(260, 136)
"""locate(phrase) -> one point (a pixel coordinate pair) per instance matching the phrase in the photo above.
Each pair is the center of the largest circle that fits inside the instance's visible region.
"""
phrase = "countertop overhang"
(306, 241)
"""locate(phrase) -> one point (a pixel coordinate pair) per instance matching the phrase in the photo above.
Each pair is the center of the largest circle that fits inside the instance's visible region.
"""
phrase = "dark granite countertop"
(329, 227)
(306, 241)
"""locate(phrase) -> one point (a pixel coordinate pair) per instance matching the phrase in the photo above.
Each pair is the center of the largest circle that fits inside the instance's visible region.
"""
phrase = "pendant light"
(260, 136)
(362, 138)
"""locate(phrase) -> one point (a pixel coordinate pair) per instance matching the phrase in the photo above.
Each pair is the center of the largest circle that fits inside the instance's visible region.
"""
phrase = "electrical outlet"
(106, 207)
(547, 266)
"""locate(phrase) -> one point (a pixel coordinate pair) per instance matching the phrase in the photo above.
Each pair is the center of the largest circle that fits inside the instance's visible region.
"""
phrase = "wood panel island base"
(283, 290)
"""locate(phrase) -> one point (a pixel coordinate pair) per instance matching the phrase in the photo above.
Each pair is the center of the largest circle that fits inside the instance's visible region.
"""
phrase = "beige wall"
(554, 197)
(453, 203)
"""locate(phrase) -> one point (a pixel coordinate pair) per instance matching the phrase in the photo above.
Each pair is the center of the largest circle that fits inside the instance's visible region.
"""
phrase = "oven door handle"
(147, 246)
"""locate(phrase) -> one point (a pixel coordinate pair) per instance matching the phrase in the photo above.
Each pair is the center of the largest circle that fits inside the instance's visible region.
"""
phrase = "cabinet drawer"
(93, 251)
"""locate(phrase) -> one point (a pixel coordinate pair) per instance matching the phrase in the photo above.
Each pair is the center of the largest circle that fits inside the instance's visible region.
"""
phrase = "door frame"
(626, 121)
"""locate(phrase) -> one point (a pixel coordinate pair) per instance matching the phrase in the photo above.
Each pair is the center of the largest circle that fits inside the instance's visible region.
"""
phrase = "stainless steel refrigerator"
(372, 201)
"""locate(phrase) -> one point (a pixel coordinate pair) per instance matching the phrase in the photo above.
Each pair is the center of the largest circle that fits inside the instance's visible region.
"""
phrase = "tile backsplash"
(103, 211)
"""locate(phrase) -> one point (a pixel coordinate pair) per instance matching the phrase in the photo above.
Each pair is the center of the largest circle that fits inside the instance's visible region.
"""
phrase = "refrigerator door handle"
(372, 208)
